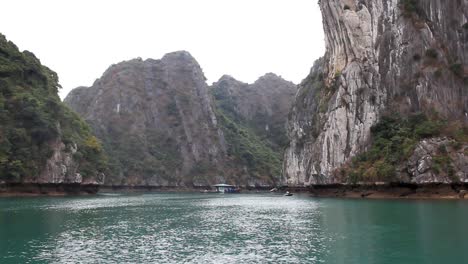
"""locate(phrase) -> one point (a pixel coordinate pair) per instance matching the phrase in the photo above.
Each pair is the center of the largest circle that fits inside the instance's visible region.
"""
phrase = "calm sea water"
(245, 228)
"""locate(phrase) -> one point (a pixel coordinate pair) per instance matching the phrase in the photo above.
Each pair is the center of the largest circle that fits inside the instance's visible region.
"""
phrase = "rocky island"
(384, 109)
(163, 126)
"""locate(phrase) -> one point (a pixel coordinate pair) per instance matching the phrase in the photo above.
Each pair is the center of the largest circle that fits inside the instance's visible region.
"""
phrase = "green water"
(245, 228)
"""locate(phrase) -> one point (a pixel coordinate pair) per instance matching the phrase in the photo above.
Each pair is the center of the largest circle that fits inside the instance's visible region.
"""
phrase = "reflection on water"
(213, 228)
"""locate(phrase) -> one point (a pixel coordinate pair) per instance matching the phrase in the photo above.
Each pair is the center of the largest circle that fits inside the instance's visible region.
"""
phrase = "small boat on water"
(226, 188)
(288, 194)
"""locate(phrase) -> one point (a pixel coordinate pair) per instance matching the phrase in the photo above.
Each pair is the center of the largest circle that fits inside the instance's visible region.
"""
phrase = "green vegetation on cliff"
(394, 139)
(245, 146)
(132, 156)
(262, 106)
(33, 118)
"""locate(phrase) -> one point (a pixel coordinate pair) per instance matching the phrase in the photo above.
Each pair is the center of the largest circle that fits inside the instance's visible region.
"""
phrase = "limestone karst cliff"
(41, 140)
(161, 126)
(383, 58)
(263, 105)
(156, 121)
(253, 120)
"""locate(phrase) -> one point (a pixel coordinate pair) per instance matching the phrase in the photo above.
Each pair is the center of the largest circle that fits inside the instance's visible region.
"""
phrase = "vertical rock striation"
(401, 56)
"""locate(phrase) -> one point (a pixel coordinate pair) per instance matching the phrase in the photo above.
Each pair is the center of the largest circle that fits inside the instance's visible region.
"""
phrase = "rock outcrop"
(439, 160)
(156, 120)
(382, 57)
(41, 140)
(161, 126)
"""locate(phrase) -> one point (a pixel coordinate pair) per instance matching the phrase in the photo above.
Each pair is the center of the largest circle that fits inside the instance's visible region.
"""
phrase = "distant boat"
(288, 194)
(226, 188)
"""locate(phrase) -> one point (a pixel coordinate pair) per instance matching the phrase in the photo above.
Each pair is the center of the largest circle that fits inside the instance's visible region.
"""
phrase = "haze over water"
(216, 228)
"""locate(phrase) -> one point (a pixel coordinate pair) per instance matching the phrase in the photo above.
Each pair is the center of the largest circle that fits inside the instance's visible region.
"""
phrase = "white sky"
(243, 38)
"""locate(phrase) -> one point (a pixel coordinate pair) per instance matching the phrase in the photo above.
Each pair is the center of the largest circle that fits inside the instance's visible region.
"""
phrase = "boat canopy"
(224, 185)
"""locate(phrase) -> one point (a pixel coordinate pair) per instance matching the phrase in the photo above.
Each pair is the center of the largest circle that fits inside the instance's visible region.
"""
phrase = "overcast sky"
(243, 38)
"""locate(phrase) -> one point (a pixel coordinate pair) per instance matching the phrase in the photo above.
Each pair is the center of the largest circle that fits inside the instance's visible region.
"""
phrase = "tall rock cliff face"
(156, 120)
(161, 125)
(253, 120)
(263, 105)
(383, 57)
(41, 140)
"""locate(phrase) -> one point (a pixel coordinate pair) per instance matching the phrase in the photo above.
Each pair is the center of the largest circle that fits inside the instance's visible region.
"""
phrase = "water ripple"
(208, 228)
(182, 229)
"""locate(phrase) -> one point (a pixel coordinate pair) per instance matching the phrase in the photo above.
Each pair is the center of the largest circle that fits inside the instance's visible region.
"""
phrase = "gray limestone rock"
(156, 120)
(429, 164)
(263, 105)
(379, 59)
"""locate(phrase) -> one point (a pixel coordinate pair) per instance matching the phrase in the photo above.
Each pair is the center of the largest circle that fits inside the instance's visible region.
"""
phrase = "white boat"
(226, 188)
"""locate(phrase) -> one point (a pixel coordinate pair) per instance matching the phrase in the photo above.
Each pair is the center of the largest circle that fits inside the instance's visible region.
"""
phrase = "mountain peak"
(272, 77)
(228, 78)
(178, 55)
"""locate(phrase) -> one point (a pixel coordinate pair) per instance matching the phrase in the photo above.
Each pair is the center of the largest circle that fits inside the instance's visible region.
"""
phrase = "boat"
(226, 188)
(288, 194)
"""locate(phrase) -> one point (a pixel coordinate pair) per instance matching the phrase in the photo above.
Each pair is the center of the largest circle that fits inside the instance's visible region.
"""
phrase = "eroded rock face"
(264, 105)
(156, 120)
(438, 160)
(62, 168)
(381, 57)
